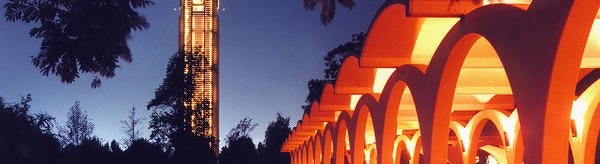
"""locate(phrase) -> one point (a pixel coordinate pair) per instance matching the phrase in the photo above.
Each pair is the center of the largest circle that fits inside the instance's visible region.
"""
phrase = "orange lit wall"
(443, 81)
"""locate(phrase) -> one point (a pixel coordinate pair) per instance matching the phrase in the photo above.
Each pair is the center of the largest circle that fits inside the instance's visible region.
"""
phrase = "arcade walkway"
(445, 81)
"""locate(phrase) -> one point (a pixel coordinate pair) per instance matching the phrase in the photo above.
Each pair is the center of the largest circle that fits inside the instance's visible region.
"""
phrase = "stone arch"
(318, 147)
(341, 137)
(446, 64)
(585, 117)
(310, 153)
(303, 153)
(328, 146)
(476, 126)
(405, 77)
(372, 154)
(363, 127)
(401, 152)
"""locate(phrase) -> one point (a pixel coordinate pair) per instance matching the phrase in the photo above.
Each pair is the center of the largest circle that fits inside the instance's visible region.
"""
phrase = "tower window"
(198, 8)
(197, 2)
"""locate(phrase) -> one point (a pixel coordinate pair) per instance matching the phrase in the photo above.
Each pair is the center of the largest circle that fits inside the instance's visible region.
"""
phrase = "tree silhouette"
(25, 138)
(89, 151)
(115, 147)
(78, 126)
(80, 36)
(142, 151)
(167, 117)
(191, 149)
(129, 127)
(315, 87)
(240, 148)
(333, 63)
(327, 8)
(335, 57)
(270, 149)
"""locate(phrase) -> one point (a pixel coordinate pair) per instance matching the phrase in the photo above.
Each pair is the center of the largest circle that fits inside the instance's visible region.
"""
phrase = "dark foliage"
(80, 36)
(91, 151)
(315, 87)
(170, 93)
(78, 126)
(115, 148)
(28, 139)
(129, 127)
(239, 151)
(25, 138)
(240, 148)
(191, 149)
(333, 63)
(335, 57)
(167, 117)
(327, 8)
(142, 151)
(270, 149)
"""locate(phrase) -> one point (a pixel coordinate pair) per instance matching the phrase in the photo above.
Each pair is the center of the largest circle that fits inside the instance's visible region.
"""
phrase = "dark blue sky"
(269, 50)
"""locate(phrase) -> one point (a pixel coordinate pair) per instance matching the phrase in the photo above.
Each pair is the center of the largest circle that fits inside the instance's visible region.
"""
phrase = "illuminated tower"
(199, 39)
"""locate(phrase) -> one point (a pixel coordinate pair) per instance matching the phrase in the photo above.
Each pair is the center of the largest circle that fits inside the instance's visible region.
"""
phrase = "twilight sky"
(269, 50)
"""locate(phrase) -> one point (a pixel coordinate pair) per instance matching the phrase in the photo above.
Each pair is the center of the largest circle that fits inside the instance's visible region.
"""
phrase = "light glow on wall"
(353, 101)
(509, 125)
(464, 138)
(432, 32)
(578, 113)
(489, 2)
(491, 160)
(381, 77)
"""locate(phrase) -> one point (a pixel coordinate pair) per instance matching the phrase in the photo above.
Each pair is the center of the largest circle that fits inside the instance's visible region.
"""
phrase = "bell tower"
(199, 40)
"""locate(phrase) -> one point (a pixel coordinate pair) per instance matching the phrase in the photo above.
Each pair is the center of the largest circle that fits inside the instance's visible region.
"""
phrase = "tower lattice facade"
(199, 40)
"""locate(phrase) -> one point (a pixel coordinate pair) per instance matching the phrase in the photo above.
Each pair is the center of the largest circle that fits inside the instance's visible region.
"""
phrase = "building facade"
(199, 40)
(444, 81)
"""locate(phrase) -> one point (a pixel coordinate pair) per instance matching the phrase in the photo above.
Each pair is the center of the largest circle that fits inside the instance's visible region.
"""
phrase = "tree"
(327, 8)
(115, 148)
(129, 127)
(142, 151)
(243, 128)
(26, 138)
(240, 148)
(315, 87)
(78, 126)
(89, 151)
(333, 63)
(190, 149)
(80, 36)
(167, 117)
(270, 149)
(335, 57)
